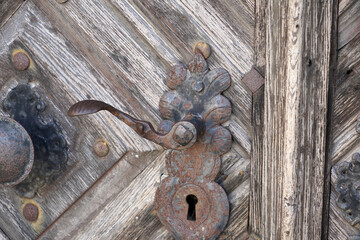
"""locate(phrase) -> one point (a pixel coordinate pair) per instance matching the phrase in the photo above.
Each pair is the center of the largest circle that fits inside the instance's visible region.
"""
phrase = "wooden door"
(118, 52)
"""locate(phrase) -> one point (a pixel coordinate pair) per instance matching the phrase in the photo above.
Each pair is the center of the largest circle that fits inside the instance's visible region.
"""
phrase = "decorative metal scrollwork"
(188, 202)
(348, 187)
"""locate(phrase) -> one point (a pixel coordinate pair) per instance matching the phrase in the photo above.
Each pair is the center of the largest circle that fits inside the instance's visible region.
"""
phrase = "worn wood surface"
(255, 207)
(298, 33)
(7, 8)
(345, 140)
(349, 22)
(119, 52)
(3, 236)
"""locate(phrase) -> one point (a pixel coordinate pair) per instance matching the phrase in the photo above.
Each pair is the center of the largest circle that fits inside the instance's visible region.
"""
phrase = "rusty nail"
(204, 48)
(21, 61)
(183, 135)
(31, 212)
(253, 80)
(101, 148)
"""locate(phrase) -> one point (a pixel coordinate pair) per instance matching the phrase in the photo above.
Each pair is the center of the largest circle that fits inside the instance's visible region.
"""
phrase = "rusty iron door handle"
(182, 135)
(188, 202)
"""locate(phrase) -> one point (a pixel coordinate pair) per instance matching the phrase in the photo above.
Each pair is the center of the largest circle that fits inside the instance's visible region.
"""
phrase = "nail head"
(21, 61)
(101, 148)
(204, 48)
(31, 212)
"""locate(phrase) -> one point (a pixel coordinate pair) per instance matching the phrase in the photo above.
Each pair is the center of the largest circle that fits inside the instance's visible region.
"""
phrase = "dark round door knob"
(16, 152)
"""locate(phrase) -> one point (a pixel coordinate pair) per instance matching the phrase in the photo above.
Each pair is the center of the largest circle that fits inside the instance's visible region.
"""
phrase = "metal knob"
(16, 152)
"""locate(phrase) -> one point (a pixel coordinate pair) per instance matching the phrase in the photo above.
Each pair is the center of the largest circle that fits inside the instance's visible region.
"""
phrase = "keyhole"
(192, 201)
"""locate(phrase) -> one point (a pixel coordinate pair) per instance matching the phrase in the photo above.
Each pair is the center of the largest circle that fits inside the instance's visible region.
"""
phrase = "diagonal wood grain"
(7, 9)
(346, 99)
(345, 139)
(349, 23)
(96, 197)
(3, 236)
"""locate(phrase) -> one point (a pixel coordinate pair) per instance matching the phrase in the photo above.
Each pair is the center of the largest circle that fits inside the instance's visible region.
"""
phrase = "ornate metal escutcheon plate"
(50, 148)
(188, 202)
(348, 187)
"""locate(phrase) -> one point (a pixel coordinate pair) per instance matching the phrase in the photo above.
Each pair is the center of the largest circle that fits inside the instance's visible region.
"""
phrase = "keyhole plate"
(212, 208)
(181, 206)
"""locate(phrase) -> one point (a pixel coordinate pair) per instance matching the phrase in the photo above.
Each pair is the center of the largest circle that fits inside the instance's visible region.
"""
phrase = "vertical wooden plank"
(255, 219)
(298, 33)
(330, 120)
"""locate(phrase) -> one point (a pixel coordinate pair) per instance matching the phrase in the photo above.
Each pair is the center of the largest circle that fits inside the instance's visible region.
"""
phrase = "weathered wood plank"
(347, 95)
(296, 90)
(119, 43)
(344, 5)
(132, 101)
(3, 236)
(94, 199)
(349, 24)
(7, 8)
(348, 63)
(255, 216)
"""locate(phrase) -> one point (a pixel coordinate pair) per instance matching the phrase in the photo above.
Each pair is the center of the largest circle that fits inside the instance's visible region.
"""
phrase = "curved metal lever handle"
(182, 135)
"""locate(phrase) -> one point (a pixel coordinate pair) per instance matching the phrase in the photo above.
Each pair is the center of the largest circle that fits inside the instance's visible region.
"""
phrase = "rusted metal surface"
(253, 80)
(188, 202)
(16, 152)
(348, 187)
(21, 61)
(31, 212)
(143, 128)
(354, 238)
(101, 148)
(50, 148)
